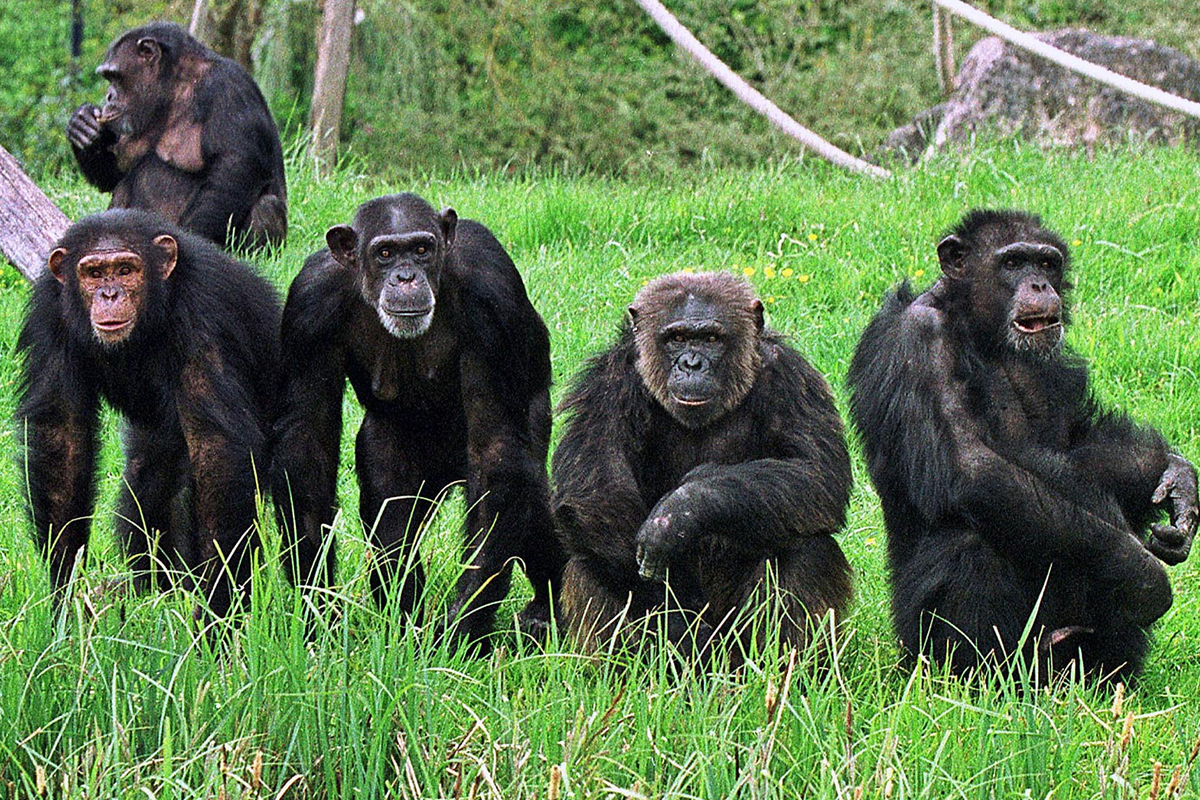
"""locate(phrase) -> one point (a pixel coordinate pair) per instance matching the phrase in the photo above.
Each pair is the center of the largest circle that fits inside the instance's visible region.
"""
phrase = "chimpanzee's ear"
(149, 48)
(343, 245)
(633, 315)
(449, 220)
(759, 319)
(170, 249)
(54, 264)
(951, 251)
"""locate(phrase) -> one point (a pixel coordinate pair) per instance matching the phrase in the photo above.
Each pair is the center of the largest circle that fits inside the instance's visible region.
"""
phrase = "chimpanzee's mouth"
(111, 325)
(690, 401)
(408, 312)
(1037, 324)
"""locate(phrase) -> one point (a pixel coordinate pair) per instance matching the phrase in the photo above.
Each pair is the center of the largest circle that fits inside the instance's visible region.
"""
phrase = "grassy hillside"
(116, 697)
(571, 85)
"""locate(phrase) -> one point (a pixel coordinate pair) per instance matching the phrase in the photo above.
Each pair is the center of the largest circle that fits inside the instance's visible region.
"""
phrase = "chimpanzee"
(428, 318)
(703, 450)
(1008, 492)
(183, 342)
(185, 133)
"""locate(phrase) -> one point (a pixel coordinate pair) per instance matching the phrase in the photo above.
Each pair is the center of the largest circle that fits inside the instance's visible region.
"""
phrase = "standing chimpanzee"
(701, 449)
(428, 318)
(184, 133)
(1007, 491)
(183, 342)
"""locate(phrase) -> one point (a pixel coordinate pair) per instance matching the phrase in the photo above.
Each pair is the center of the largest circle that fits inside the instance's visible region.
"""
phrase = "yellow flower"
(748, 272)
(919, 273)
(1076, 242)
(688, 270)
(771, 300)
(804, 278)
(769, 272)
(812, 237)
(787, 272)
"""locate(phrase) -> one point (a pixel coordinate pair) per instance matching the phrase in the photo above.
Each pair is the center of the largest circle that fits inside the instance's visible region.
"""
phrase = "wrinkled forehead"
(382, 216)
(696, 306)
(994, 237)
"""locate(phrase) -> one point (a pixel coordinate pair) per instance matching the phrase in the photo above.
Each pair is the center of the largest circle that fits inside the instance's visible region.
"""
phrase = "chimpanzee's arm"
(57, 421)
(236, 144)
(308, 428)
(800, 487)
(924, 445)
(226, 445)
(598, 506)
(1134, 464)
(92, 145)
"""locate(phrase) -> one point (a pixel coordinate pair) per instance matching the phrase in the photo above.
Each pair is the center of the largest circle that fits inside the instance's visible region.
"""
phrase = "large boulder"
(1003, 90)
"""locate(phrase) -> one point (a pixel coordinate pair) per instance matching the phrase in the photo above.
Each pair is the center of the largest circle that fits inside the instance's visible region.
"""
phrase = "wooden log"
(30, 223)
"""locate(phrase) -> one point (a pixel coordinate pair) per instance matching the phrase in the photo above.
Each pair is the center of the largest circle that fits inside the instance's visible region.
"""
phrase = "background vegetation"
(580, 86)
(117, 698)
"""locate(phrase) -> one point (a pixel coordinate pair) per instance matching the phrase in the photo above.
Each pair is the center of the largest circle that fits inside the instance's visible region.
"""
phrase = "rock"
(1003, 90)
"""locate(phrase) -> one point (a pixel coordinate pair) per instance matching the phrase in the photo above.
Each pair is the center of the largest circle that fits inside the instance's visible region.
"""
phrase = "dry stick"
(30, 223)
(1151, 94)
(752, 97)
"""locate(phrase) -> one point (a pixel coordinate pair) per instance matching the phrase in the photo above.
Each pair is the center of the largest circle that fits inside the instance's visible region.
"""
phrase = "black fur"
(230, 189)
(766, 482)
(1004, 485)
(465, 400)
(194, 382)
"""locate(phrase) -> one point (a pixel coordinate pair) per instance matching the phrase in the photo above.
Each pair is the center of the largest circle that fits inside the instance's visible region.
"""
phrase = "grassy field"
(116, 698)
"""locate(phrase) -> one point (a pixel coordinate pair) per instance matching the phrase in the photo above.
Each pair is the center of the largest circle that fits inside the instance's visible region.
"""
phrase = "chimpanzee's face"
(398, 248)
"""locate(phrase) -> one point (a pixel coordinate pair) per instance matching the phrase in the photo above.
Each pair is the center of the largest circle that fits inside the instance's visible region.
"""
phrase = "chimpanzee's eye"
(385, 252)
(422, 249)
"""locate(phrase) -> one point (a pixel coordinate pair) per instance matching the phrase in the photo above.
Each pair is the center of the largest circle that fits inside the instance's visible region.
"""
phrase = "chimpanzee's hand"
(1171, 543)
(84, 127)
(667, 528)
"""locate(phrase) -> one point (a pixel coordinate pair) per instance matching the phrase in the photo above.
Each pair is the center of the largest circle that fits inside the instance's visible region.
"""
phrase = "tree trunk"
(30, 223)
(228, 27)
(329, 87)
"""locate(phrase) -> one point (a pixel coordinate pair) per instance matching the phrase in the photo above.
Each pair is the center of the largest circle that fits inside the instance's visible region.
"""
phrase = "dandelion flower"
(804, 278)
(748, 272)
(787, 272)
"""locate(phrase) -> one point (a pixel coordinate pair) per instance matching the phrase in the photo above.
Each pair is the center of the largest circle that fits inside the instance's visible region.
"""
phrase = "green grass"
(117, 697)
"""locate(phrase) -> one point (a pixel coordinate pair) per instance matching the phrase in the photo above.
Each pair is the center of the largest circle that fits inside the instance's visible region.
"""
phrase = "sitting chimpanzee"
(428, 318)
(185, 133)
(1007, 491)
(183, 342)
(702, 450)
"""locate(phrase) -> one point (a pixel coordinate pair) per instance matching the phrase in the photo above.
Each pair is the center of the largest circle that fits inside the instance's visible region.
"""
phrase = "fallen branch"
(30, 223)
